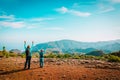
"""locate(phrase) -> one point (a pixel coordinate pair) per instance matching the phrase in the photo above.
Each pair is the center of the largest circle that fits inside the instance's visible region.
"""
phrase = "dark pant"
(41, 62)
(28, 59)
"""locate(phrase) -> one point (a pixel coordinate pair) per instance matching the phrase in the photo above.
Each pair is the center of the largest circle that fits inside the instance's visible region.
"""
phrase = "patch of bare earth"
(59, 69)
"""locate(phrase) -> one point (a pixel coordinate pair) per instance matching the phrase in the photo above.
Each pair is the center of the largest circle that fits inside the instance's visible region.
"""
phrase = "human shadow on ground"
(15, 71)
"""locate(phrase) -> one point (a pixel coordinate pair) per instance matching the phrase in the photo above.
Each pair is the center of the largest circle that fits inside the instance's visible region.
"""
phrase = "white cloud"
(108, 5)
(12, 24)
(6, 17)
(78, 13)
(39, 19)
(107, 10)
(104, 8)
(64, 10)
(32, 25)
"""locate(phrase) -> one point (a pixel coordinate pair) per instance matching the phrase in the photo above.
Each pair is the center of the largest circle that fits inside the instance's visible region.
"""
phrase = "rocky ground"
(59, 69)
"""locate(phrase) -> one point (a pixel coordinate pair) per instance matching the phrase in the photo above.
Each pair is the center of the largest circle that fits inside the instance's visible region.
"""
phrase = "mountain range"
(70, 46)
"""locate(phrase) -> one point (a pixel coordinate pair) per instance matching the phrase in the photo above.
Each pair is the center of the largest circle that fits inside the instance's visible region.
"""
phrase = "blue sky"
(50, 20)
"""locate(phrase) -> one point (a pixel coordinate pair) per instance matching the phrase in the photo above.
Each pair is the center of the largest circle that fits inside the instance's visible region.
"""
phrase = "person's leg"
(42, 62)
(29, 62)
(26, 62)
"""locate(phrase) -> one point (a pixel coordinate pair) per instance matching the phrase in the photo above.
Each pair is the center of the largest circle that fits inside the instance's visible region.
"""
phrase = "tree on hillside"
(96, 53)
(116, 53)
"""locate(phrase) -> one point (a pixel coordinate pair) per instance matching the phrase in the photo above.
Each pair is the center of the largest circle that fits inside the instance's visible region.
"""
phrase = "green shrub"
(53, 55)
(64, 55)
(100, 58)
(113, 58)
(50, 55)
(12, 54)
(5, 54)
(116, 53)
(1, 54)
(67, 55)
(110, 58)
(60, 55)
(76, 56)
(35, 55)
(23, 55)
(82, 56)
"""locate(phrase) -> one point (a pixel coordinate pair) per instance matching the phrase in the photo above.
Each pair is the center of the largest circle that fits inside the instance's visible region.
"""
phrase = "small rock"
(39, 75)
(64, 76)
(41, 78)
(84, 76)
(80, 79)
(97, 79)
(0, 58)
(46, 73)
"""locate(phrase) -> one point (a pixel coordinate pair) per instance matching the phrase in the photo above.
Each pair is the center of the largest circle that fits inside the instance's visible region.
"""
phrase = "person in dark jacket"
(41, 58)
(28, 52)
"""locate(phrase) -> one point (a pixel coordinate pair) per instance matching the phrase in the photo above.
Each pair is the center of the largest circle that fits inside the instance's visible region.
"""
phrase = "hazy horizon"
(50, 20)
(21, 46)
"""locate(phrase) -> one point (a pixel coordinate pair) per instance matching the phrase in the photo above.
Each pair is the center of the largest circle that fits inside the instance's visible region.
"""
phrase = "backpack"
(27, 51)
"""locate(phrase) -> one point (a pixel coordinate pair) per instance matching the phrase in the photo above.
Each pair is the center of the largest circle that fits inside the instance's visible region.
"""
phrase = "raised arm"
(32, 44)
(25, 45)
(44, 51)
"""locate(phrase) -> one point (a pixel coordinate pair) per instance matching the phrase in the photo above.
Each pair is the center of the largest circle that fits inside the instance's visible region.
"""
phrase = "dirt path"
(12, 69)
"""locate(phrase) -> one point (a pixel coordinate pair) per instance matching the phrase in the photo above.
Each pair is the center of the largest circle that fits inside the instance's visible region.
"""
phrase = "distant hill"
(81, 47)
(15, 51)
(80, 51)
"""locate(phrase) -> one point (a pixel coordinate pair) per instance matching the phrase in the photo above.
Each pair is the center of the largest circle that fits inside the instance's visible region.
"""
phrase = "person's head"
(41, 50)
(28, 46)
